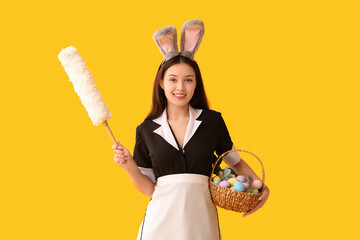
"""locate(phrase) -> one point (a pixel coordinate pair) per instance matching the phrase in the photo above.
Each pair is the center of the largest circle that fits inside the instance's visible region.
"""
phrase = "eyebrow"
(176, 76)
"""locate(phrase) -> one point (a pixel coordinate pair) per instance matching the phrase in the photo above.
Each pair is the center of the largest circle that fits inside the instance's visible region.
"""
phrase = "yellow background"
(284, 74)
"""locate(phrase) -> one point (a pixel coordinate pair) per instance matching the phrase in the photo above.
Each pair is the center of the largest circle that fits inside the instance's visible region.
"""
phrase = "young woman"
(175, 145)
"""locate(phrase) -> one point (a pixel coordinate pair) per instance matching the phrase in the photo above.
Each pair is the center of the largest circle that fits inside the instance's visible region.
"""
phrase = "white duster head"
(84, 85)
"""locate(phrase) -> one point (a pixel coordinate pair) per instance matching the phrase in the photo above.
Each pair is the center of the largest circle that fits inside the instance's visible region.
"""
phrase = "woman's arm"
(124, 159)
(242, 168)
(142, 182)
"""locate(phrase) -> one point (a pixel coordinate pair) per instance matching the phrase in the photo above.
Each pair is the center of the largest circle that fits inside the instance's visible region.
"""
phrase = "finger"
(264, 195)
(118, 148)
(120, 161)
(121, 157)
(119, 151)
(119, 144)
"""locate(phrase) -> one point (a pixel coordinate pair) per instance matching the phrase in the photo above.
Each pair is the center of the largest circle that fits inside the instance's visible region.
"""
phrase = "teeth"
(179, 95)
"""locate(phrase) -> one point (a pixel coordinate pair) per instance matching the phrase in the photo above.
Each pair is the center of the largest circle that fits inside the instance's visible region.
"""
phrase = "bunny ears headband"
(192, 33)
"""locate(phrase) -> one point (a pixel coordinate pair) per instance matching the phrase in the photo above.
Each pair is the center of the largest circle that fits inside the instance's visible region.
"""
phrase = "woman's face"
(179, 84)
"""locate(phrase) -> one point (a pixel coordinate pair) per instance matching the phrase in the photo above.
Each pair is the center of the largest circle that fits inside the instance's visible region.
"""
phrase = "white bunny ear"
(166, 40)
(192, 33)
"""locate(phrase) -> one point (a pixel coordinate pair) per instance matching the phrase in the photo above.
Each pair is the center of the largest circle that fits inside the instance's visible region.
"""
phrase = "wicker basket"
(230, 199)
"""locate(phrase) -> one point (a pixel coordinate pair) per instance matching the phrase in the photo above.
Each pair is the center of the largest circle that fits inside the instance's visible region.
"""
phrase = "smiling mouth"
(179, 96)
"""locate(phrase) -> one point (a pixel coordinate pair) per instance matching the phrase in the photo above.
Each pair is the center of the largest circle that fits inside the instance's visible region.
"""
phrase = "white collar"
(165, 132)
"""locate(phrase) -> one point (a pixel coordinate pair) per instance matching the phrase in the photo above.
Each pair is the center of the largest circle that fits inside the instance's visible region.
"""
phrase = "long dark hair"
(199, 99)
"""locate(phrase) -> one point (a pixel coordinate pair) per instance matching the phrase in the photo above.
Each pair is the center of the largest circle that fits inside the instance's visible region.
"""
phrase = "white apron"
(181, 208)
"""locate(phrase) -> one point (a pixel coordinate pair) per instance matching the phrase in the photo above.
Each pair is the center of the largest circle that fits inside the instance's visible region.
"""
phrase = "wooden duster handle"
(105, 123)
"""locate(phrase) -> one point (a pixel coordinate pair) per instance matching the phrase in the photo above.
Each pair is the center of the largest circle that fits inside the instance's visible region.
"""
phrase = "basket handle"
(236, 150)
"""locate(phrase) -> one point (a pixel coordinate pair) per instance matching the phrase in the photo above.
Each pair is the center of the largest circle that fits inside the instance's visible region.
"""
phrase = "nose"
(180, 85)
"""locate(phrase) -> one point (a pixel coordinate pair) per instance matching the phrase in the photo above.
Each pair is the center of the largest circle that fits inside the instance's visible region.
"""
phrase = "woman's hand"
(123, 157)
(263, 197)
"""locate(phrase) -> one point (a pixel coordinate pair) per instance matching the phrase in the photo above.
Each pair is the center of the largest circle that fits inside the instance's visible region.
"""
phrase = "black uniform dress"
(181, 206)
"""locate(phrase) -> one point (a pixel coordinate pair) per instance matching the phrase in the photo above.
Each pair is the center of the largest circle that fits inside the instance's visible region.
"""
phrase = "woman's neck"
(174, 112)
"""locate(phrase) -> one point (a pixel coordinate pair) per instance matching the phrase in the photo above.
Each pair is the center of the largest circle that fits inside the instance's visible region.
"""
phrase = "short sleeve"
(141, 154)
(224, 144)
(142, 158)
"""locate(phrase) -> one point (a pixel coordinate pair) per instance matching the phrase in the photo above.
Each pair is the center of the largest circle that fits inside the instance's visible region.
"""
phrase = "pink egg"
(246, 185)
(256, 184)
(225, 184)
(241, 178)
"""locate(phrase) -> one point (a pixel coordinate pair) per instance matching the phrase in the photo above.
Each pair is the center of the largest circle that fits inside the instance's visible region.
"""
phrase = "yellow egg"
(217, 178)
(232, 188)
(232, 181)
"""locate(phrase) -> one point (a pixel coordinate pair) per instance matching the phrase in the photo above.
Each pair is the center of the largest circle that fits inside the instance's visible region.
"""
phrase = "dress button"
(183, 151)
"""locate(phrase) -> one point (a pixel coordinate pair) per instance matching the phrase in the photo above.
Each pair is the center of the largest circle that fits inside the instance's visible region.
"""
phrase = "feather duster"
(85, 87)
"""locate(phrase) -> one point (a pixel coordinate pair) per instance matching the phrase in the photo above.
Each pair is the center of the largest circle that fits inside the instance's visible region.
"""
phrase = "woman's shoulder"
(147, 125)
(210, 113)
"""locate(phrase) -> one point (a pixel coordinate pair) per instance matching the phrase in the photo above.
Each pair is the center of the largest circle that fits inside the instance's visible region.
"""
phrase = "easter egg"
(241, 178)
(216, 182)
(249, 179)
(255, 190)
(232, 188)
(225, 184)
(217, 178)
(256, 184)
(246, 185)
(232, 181)
(239, 186)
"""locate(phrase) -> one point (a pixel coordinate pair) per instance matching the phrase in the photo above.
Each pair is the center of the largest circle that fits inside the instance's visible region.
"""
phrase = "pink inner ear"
(166, 43)
(192, 35)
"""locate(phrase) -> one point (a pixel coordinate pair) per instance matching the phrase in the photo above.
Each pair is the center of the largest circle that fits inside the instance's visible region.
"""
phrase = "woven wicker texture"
(230, 199)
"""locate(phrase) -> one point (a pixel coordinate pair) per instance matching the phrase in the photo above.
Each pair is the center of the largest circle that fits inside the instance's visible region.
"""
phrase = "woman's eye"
(189, 80)
(172, 79)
